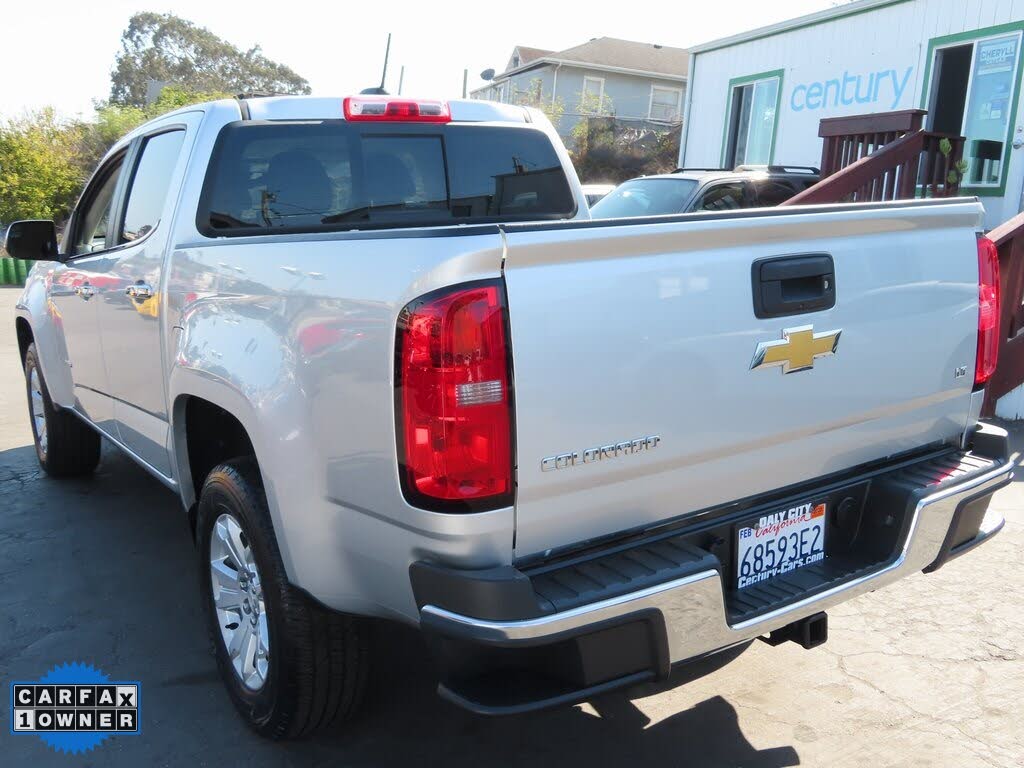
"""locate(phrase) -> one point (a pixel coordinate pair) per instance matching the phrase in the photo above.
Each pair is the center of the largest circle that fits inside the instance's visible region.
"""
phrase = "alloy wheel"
(38, 408)
(238, 601)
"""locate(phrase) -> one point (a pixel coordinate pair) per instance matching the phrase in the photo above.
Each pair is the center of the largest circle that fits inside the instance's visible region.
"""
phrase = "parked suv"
(687, 190)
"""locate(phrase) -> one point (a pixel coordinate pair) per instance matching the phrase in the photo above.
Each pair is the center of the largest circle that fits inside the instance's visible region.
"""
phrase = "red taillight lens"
(988, 310)
(453, 400)
(387, 108)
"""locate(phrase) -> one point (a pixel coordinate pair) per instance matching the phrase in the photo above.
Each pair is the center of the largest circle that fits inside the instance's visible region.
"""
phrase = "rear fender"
(236, 360)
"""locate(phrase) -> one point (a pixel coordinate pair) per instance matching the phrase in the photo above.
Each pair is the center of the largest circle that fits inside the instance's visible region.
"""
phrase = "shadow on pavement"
(102, 570)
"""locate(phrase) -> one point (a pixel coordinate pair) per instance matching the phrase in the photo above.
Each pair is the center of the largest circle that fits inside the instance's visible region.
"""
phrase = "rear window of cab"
(279, 177)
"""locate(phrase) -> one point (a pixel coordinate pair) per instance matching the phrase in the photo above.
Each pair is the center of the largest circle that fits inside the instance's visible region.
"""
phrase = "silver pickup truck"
(393, 370)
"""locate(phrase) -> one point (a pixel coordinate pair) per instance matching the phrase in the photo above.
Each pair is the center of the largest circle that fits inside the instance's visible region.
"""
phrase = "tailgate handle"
(793, 285)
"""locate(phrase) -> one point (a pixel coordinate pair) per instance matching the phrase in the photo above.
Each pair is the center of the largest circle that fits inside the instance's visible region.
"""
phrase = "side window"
(723, 197)
(772, 193)
(150, 184)
(94, 213)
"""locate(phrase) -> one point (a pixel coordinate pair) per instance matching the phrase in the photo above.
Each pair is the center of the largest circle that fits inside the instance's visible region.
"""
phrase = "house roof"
(527, 54)
(627, 54)
(611, 54)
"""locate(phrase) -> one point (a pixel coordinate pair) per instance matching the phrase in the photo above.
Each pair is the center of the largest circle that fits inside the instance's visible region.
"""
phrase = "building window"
(972, 92)
(592, 97)
(665, 103)
(499, 92)
(751, 119)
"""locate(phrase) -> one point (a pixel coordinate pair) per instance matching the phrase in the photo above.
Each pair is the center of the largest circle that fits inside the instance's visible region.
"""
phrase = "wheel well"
(24, 332)
(212, 436)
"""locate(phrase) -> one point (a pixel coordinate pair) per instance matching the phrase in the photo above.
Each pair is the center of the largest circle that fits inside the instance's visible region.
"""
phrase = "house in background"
(634, 82)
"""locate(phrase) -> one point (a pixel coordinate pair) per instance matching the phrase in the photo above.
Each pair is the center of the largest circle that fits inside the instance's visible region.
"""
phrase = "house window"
(499, 92)
(665, 103)
(751, 119)
(592, 98)
(972, 93)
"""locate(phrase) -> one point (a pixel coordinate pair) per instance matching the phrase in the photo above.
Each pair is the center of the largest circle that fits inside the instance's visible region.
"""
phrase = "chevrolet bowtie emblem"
(796, 350)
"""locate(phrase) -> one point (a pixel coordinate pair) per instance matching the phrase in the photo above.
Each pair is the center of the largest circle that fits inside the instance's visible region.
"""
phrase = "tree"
(163, 48)
(39, 175)
(115, 120)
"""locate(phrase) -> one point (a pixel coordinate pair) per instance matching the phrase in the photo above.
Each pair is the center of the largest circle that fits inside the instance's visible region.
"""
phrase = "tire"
(308, 666)
(65, 445)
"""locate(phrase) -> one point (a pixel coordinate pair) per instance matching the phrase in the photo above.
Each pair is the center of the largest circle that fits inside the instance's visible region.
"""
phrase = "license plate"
(780, 542)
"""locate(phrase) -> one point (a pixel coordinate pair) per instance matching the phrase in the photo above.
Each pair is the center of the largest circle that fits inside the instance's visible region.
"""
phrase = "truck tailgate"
(633, 347)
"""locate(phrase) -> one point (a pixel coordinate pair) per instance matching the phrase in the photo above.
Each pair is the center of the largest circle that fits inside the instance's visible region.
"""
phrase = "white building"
(758, 97)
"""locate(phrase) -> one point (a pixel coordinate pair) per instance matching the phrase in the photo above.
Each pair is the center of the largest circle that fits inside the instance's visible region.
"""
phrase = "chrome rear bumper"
(693, 607)
(689, 616)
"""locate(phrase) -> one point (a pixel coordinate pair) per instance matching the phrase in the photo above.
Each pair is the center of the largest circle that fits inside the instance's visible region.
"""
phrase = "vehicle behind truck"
(392, 369)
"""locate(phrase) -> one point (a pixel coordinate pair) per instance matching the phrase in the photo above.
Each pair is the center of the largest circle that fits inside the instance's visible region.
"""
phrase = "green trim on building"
(746, 80)
(974, 36)
(849, 13)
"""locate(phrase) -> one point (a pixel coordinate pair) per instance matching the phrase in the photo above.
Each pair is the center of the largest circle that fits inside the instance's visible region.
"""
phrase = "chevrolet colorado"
(393, 370)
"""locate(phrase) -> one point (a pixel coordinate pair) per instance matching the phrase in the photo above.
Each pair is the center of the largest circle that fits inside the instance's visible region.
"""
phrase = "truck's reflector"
(452, 400)
(397, 109)
(988, 311)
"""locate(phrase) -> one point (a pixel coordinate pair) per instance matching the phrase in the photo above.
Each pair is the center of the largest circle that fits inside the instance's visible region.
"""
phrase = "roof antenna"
(384, 74)
(379, 90)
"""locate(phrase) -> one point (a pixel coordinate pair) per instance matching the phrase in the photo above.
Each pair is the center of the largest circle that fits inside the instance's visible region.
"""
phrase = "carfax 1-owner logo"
(74, 708)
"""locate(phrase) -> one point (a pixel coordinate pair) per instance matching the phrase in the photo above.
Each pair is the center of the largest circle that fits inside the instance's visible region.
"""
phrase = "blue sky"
(67, 50)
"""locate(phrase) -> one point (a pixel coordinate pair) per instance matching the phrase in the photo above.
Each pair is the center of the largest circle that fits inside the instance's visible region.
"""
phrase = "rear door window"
(772, 193)
(331, 175)
(723, 197)
(150, 184)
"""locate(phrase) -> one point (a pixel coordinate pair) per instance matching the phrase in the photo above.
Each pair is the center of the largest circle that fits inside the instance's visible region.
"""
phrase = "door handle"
(793, 285)
(140, 291)
(84, 291)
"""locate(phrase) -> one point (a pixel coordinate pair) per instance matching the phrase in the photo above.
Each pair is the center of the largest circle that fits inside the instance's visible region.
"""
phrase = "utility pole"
(401, 79)
(465, 80)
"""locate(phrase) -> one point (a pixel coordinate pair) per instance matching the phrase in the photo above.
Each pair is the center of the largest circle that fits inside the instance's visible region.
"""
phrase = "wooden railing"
(845, 140)
(887, 156)
(911, 166)
(1009, 374)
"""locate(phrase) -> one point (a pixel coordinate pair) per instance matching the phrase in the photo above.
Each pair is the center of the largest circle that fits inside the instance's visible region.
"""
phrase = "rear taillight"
(396, 109)
(453, 400)
(988, 310)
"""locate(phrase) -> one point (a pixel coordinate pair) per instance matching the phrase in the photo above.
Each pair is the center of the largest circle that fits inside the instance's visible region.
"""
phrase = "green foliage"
(44, 161)
(606, 150)
(115, 120)
(534, 97)
(164, 48)
(959, 170)
(590, 104)
(39, 174)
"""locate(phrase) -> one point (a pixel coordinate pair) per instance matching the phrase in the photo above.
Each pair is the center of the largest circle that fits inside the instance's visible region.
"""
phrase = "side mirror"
(33, 240)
